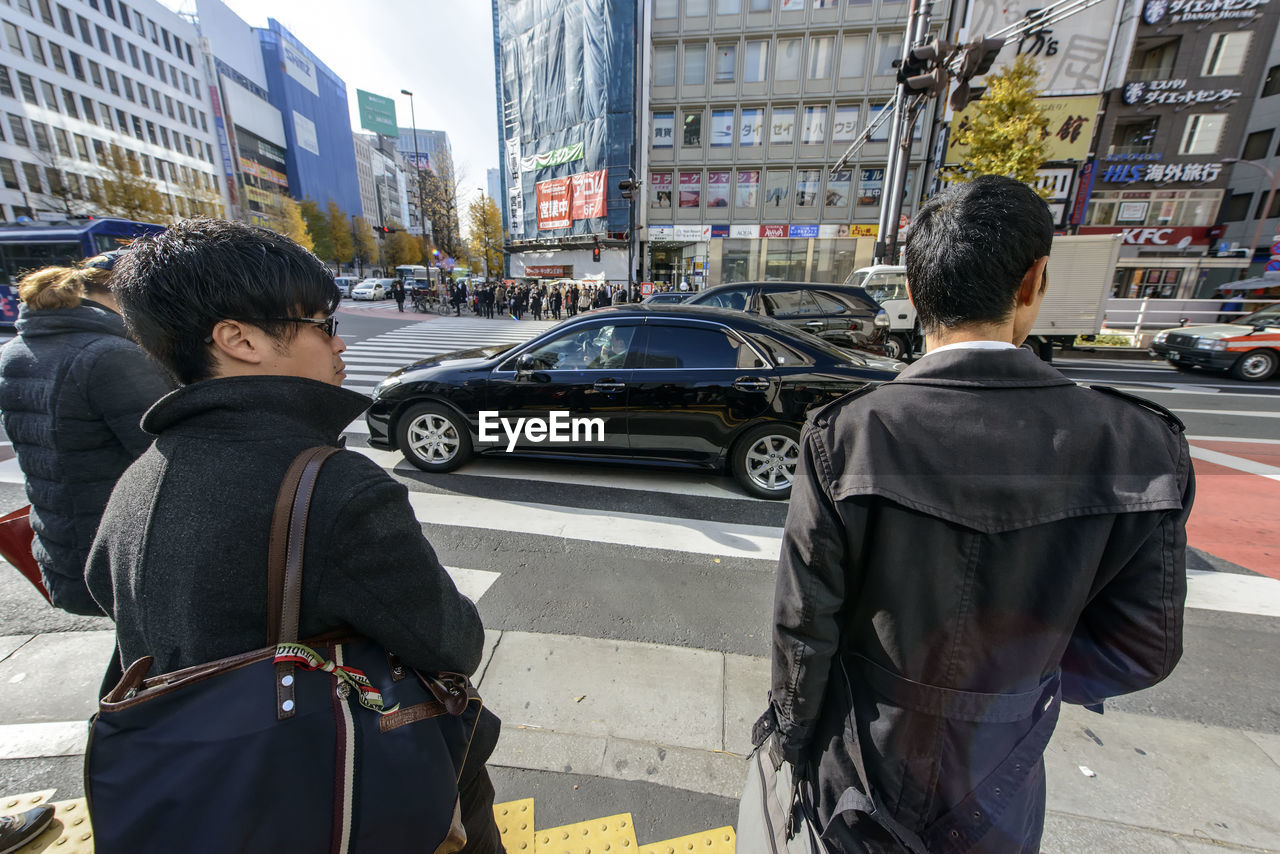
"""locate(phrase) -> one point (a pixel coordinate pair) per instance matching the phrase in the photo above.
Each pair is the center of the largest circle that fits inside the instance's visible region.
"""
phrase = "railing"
(1142, 318)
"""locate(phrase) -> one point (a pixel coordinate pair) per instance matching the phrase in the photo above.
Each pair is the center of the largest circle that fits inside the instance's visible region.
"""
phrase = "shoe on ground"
(17, 830)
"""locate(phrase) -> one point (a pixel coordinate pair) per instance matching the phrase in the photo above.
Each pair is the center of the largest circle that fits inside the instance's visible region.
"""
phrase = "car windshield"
(886, 286)
(1269, 316)
(856, 278)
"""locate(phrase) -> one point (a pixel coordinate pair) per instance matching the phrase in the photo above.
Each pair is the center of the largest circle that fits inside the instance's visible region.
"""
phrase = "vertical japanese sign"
(553, 204)
(515, 212)
(229, 172)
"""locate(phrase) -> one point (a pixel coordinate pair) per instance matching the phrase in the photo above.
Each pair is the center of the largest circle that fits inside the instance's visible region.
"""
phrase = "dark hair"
(969, 247)
(174, 287)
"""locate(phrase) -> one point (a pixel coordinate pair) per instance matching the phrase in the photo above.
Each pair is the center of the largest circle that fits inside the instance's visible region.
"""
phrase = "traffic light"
(925, 66)
(975, 59)
(595, 251)
(629, 189)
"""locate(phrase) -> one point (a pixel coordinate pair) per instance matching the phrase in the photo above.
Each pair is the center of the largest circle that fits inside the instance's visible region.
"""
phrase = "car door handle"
(608, 386)
(815, 323)
(751, 384)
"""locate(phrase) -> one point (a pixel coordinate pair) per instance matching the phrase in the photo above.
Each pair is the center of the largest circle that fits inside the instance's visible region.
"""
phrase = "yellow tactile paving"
(515, 822)
(613, 834)
(22, 803)
(68, 833)
(722, 840)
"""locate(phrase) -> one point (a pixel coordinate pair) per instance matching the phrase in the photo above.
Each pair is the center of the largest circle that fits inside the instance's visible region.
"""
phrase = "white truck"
(1081, 269)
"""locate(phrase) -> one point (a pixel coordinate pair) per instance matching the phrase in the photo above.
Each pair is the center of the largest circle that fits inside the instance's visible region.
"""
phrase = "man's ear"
(1034, 281)
(910, 297)
(234, 341)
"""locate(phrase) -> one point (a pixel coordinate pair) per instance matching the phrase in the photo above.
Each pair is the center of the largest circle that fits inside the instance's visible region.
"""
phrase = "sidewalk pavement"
(680, 717)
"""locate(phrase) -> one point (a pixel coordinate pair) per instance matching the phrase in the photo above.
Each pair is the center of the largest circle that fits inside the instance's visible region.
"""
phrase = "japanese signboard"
(549, 271)
(1173, 92)
(1071, 53)
(751, 130)
(664, 130)
(1157, 236)
(718, 189)
(1120, 170)
(1200, 11)
(553, 204)
(515, 212)
(869, 187)
(565, 154)
(377, 113)
(661, 183)
(587, 194)
(690, 189)
(1071, 126)
(721, 128)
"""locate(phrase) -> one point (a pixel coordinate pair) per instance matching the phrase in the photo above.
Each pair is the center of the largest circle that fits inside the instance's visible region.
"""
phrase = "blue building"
(320, 157)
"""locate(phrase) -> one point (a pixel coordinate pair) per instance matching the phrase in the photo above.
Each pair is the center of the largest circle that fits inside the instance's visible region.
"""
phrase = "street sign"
(646, 289)
(1273, 264)
(377, 113)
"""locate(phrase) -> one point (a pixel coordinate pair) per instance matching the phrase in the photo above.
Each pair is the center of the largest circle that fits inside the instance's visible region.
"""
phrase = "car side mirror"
(526, 363)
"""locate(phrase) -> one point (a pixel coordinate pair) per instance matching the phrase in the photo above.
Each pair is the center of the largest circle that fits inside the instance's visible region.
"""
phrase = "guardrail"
(1143, 318)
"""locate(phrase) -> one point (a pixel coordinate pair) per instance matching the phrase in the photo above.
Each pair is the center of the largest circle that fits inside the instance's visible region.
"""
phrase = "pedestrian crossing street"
(369, 361)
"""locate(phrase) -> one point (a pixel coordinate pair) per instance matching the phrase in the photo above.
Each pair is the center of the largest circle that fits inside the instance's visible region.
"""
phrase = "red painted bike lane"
(1237, 513)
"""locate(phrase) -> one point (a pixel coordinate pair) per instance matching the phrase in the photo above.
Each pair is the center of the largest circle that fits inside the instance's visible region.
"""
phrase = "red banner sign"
(554, 204)
(1142, 235)
(773, 231)
(549, 271)
(587, 194)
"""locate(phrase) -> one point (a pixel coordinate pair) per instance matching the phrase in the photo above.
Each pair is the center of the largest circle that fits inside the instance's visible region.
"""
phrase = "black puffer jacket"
(73, 390)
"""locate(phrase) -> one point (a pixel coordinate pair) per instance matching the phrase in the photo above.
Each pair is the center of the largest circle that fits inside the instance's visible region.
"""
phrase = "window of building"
(18, 131)
(726, 63)
(9, 174)
(95, 73)
(1237, 207)
(85, 35)
(664, 65)
(1271, 86)
(751, 128)
(14, 36)
(160, 71)
(787, 64)
(853, 57)
(6, 84)
(821, 54)
(1226, 54)
(888, 49)
(1257, 145)
(691, 122)
(845, 126)
(168, 106)
(69, 101)
(696, 8)
(1153, 59)
(777, 188)
(839, 185)
(37, 48)
(28, 88)
(748, 189)
(128, 88)
(782, 125)
(104, 44)
(90, 114)
(690, 189)
(118, 43)
(146, 166)
(133, 57)
(755, 62)
(50, 95)
(32, 171)
(82, 148)
(164, 37)
(111, 8)
(808, 187)
(204, 123)
(122, 122)
(718, 189)
(105, 113)
(59, 60)
(142, 96)
(156, 103)
(151, 133)
(40, 132)
(814, 130)
(65, 17)
(695, 64)
(63, 141)
(100, 149)
(77, 66)
(46, 13)
(1134, 136)
(146, 60)
(728, 7)
(760, 5)
(113, 83)
(124, 16)
(1202, 134)
(164, 136)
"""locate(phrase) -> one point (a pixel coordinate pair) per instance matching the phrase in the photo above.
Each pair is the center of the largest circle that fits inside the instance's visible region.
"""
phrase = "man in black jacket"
(242, 317)
(967, 547)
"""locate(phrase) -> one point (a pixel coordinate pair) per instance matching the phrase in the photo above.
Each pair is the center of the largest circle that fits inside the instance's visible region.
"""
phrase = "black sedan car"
(667, 385)
(845, 315)
(668, 298)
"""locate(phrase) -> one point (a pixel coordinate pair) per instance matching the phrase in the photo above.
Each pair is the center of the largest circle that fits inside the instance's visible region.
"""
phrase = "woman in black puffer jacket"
(73, 390)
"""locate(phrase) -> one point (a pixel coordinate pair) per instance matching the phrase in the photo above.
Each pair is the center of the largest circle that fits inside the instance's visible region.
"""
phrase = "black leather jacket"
(955, 538)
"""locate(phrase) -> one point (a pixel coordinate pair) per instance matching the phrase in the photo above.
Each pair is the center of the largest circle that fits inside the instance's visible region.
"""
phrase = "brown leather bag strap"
(297, 543)
(277, 549)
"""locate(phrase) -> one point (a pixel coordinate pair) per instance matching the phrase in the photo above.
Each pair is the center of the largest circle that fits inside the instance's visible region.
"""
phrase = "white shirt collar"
(973, 345)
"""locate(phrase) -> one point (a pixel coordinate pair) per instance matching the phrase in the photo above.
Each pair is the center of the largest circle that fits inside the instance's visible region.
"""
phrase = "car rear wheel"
(897, 347)
(764, 460)
(434, 438)
(1256, 365)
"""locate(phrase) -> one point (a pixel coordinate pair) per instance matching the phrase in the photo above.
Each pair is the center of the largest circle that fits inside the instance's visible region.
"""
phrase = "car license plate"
(1173, 357)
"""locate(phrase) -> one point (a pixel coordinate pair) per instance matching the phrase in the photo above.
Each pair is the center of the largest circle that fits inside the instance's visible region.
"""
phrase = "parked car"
(1248, 347)
(840, 314)
(670, 385)
(345, 284)
(372, 289)
(666, 298)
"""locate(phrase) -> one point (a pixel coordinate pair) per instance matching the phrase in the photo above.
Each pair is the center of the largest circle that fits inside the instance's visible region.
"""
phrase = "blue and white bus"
(31, 245)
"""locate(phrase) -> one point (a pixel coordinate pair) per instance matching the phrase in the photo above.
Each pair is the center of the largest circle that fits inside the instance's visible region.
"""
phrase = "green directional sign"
(377, 113)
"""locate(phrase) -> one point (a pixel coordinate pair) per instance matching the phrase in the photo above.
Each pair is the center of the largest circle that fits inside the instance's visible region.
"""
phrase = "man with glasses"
(243, 319)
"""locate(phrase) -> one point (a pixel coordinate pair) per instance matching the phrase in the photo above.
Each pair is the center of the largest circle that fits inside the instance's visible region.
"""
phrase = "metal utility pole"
(417, 174)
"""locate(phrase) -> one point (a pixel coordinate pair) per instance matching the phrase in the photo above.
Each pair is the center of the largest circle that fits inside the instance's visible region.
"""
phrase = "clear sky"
(441, 50)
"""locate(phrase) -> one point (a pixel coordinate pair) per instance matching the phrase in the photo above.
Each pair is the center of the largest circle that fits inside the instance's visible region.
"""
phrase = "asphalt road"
(612, 557)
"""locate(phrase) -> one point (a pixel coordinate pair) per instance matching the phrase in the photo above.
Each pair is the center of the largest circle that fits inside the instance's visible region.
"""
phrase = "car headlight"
(882, 319)
(1219, 345)
(1160, 337)
(1210, 344)
(386, 385)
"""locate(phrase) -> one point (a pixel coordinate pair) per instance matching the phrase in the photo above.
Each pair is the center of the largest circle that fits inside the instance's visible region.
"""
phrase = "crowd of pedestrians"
(962, 554)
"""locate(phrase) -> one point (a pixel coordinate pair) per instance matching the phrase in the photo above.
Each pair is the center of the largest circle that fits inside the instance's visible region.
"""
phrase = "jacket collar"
(1018, 368)
(89, 316)
(250, 407)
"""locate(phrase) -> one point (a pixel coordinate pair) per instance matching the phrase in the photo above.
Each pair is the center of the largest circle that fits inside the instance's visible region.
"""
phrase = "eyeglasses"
(329, 324)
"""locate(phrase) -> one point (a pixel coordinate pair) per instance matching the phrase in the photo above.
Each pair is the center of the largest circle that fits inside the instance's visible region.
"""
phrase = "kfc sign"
(1174, 238)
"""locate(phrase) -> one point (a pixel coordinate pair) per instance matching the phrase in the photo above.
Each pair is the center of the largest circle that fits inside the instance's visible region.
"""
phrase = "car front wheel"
(764, 460)
(433, 438)
(1256, 365)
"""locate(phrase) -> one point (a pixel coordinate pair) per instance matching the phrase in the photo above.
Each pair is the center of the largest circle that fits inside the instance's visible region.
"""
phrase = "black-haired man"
(967, 547)
(243, 319)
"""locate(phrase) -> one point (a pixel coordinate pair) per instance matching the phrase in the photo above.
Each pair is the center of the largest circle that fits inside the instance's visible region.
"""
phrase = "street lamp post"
(417, 173)
(484, 239)
(1266, 205)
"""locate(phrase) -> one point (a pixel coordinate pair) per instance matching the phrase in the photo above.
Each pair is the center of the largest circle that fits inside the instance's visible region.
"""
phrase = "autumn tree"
(1006, 132)
(201, 200)
(366, 243)
(285, 217)
(124, 191)
(439, 193)
(318, 228)
(484, 224)
(403, 248)
(344, 247)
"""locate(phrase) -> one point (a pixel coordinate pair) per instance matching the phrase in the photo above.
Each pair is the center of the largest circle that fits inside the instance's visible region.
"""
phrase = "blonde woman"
(73, 390)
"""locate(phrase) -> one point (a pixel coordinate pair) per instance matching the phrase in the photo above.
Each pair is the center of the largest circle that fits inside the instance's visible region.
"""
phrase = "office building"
(493, 184)
(1245, 213)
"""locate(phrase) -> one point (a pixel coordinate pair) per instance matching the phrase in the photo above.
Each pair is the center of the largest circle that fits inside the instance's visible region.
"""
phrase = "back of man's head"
(174, 287)
(969, 248)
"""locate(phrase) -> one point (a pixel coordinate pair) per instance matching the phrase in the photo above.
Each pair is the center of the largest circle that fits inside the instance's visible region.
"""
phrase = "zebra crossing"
(369, 361)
